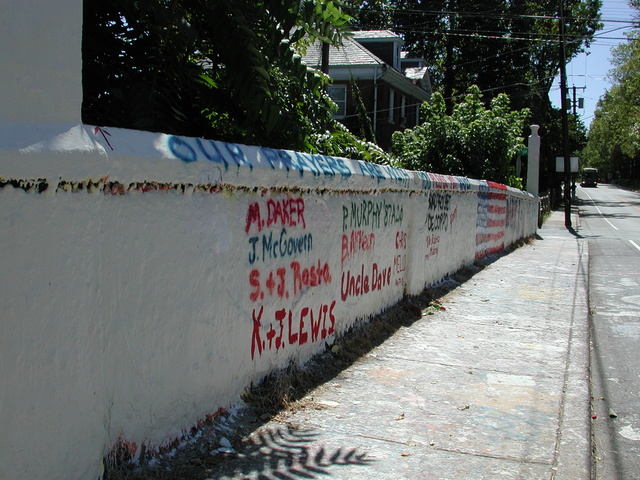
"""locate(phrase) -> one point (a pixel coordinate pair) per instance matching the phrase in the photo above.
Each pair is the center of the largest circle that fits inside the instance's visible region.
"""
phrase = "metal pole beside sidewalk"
(565, 120)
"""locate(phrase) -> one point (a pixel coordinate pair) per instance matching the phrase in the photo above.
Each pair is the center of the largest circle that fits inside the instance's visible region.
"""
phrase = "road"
(610, 221)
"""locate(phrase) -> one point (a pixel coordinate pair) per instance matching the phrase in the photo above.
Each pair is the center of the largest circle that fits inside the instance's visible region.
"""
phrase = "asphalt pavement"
(494, 385)
(610, 222)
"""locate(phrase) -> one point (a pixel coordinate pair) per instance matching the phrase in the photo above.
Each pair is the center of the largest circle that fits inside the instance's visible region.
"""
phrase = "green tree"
(223, 69)
(501, 46)
(473, 140)
(613, 143)
(372, 14)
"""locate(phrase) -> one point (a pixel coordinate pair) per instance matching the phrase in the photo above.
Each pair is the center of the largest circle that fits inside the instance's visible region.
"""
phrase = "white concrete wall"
(41, 60)
(155, 277)
(148, 279)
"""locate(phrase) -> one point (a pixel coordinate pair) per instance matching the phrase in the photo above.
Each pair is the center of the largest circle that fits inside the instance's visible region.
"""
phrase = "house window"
(338, 94)
(403, 110)
(391, 105)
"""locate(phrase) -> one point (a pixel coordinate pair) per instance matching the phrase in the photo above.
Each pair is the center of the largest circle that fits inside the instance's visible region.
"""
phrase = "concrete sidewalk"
(494, 386)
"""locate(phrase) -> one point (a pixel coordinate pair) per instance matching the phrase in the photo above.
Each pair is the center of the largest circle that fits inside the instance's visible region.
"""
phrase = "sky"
(590, 69)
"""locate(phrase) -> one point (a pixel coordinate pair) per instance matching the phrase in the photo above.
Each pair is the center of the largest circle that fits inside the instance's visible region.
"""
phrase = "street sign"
(574, 164)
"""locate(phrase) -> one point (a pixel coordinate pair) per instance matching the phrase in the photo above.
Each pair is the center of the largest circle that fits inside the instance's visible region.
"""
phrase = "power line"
(505, 16)
(504, 35)
(508, 37)
(499, 35)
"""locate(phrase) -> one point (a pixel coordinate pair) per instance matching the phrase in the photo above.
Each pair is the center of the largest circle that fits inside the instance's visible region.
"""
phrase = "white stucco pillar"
(41, 58)
(533, 161)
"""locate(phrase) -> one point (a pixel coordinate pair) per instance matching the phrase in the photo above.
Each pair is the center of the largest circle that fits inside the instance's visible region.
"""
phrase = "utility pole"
(448, 66)
(565, 120)
(324, 65)
(576, 103)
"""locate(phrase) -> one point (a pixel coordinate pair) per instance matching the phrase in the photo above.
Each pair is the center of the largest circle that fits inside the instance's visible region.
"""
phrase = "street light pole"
(565, 120)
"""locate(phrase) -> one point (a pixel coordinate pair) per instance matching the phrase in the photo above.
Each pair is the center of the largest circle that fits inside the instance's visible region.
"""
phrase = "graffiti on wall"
(281, 251)
(439, 221)
(356, 243)
(432, 245)
(435, 181)
(383, 173)
(371, 214)
(440, 216)
(400, 257)
(491, 218)
(361, 273)
(230, 155)
(281, 269)
(287, 327)
(367, 279)
(515, 215)
(283, 282)
(270, 221)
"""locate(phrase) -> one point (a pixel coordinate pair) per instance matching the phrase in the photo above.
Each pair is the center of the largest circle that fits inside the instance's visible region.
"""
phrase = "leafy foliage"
(614, 136)
(501, 46)
(224, 69)
(509, 47)
(472, 141)
(340, 142)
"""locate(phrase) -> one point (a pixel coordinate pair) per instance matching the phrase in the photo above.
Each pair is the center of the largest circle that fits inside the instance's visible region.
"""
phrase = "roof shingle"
(351, 53)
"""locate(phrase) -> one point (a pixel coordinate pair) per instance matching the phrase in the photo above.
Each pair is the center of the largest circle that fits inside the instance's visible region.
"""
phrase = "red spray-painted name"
(282, 282)
(289, 328)
(360, 283)
(286, 212)
(357, 242)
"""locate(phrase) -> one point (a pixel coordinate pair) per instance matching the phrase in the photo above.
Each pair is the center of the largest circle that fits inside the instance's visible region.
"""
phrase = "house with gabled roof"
(392, 86)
